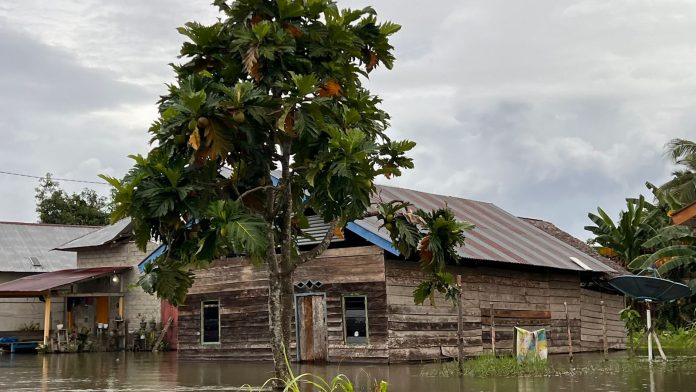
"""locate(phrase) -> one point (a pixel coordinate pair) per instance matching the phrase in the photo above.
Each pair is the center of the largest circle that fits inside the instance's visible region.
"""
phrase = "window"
(355, 319)
(210, 322)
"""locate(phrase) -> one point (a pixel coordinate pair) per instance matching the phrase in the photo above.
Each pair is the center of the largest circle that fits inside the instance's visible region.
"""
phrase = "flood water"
(163, 372)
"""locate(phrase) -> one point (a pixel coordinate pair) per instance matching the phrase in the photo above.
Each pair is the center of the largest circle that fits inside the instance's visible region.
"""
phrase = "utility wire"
(53, 178)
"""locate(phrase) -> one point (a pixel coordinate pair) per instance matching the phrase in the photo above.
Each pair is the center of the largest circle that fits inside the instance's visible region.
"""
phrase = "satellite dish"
(650, 288)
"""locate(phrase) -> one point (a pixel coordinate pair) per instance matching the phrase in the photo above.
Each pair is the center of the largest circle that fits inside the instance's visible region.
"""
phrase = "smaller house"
(96, 294)
(28, 249)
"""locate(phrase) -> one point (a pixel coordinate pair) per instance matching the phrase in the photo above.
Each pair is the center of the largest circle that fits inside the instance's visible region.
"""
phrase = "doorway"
(312, 339)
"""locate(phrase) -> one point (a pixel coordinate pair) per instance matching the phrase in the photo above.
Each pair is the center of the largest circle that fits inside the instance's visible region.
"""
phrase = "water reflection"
(163, 372)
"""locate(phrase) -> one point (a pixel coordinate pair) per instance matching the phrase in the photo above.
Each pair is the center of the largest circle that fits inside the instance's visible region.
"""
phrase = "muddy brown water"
(163, 372)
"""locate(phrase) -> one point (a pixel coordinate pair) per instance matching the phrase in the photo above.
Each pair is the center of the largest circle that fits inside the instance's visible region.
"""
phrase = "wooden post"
(47, 318)
(120, 307)
(570, 340)
(649, 320)
(604, 332)
(460, 327)
(492, 329)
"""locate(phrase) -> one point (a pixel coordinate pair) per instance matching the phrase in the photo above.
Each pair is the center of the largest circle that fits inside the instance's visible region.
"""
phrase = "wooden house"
(355, 302)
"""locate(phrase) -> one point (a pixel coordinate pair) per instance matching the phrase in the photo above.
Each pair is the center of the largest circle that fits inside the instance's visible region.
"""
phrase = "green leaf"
(288, 9)
(677, 262)
(305, 83)
(389, 28)
(194, 100)
(261, 29)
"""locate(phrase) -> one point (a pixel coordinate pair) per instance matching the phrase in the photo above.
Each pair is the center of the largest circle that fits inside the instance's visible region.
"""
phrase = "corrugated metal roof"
(20, 242)
(566, 237)
(106, 234)
(35, 285)
(498, 236)
(317, 230)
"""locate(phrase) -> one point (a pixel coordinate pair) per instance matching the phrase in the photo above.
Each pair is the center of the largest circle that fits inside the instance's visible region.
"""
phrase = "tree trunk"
(281, 268)
(280, 339)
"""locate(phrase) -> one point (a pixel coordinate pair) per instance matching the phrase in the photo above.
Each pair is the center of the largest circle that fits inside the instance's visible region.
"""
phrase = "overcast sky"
(545, 108)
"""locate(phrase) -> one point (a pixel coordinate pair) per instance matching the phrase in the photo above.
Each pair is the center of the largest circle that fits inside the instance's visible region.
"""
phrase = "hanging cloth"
(530, 344)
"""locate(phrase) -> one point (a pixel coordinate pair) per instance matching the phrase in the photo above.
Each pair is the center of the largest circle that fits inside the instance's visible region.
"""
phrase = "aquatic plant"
(340, 383)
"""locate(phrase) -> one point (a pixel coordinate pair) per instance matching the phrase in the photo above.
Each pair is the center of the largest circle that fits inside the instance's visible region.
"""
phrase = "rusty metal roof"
(498, 236)
(117, 231)
(28, 247)
(39, 284)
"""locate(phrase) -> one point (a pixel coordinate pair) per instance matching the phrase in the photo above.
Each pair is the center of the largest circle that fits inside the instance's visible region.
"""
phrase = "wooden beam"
(120, 307)
(492, 313)
(47, 317)
(460, 328)
(95, 295)
(570, 339)
(604, 332)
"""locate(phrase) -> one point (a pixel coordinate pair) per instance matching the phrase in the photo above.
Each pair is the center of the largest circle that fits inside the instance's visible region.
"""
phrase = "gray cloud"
(546, 108)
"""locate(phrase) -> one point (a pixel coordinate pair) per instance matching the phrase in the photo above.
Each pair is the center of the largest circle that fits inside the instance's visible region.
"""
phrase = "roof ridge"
(435, 194)
(47, 224)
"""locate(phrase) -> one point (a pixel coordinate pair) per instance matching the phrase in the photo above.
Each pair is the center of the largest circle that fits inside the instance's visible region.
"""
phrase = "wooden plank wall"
(243, 293)
(591, 315)
(527, 299)
(564, 288)
(518, 298)
(427, 332)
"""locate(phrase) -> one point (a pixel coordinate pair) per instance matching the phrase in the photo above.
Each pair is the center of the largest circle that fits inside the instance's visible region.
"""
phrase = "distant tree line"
(55, 205)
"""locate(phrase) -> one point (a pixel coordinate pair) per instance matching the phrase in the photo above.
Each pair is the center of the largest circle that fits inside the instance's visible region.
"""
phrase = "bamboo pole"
(47, 318)
(604, 332)
(570, 340)
(492, 329)
(460, 327)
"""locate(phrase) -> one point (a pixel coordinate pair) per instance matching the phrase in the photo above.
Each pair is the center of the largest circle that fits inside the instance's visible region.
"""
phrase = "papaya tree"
(269, 121)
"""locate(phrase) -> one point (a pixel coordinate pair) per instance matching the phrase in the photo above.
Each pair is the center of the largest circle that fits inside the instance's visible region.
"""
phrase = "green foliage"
(638, 223)
(271, 85)
(434, 236)
(682, 187)
(56, 206)
(631, 319)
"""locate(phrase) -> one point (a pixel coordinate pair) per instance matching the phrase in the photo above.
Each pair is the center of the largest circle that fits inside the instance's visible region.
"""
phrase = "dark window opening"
(210, 322)
(355, 319)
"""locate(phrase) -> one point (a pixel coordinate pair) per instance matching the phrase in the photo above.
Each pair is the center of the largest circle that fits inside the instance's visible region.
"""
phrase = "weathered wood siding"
(527, 299)
(591, 316)
(243, 293)
(427, 332)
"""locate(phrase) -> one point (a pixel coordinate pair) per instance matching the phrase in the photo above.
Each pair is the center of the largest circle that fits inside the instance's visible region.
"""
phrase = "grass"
(489, 366)
(671, 339)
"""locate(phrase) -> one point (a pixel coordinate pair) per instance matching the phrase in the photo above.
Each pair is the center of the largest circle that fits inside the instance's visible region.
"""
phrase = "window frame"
(367, 321)
(203, 302)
